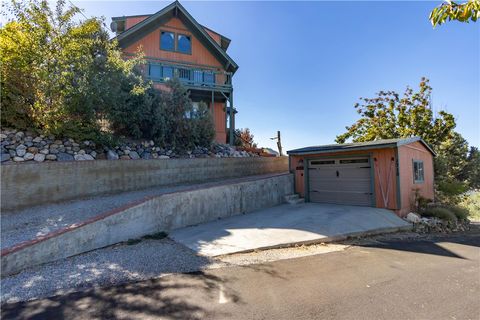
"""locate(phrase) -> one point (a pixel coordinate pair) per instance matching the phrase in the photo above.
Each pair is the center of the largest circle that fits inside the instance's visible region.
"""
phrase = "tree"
(60, 73)
(450, 10)
(471, 172)
(390, 116)
(244, 138)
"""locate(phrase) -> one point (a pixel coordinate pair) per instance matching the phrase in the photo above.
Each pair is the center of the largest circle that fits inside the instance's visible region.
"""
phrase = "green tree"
(471, 172)
(450, 10)
(59, 73)
(390, 115)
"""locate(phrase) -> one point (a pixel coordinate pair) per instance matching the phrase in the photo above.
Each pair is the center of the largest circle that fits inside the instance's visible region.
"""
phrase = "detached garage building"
(382, 173)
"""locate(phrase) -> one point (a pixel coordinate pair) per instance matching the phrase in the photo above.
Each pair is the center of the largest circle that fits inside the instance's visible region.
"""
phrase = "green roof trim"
(387, 143)
(175, 9)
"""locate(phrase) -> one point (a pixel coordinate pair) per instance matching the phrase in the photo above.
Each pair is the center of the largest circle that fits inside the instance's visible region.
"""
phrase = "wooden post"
(279, 143)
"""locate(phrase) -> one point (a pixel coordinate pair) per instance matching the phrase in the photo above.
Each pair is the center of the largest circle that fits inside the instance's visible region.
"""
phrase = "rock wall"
(18, 146)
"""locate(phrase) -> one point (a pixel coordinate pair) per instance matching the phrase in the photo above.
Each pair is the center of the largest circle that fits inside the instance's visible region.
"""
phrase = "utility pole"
(279, 143)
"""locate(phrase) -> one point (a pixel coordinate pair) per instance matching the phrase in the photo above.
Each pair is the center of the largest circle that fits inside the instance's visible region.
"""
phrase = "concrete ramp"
(142, 215)
(287, 225)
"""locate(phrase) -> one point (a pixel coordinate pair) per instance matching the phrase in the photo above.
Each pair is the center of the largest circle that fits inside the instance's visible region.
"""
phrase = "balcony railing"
(197, 78)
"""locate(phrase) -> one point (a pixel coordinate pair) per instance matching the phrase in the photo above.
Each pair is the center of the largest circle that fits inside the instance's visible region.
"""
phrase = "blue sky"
(303, 65)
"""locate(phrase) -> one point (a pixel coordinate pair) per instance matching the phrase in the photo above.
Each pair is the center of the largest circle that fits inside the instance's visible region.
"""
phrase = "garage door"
(340, 181)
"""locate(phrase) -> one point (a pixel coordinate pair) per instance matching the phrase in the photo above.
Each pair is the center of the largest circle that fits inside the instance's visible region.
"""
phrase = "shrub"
(59, 73)
(460, 213)
(202, 127)
(471, 202)
(440, 213)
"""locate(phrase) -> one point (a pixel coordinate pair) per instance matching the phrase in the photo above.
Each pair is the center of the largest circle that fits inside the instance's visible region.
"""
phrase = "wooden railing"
(190, 76)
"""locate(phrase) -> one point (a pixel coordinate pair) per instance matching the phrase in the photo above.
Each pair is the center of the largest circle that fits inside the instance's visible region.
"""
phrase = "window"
(184, 74)
(354, 161)
(155, 71)
(167, 72)
(317, 162)
(184, 44)
(418, 174)
(208, 77)
(167, 41)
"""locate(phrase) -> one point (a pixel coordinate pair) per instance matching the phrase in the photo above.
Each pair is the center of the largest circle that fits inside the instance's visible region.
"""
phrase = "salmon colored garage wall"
(392, 172)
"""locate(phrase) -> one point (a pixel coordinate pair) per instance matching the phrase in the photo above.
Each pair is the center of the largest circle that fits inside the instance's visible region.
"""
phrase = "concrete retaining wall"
(161, 213)
(25, 185)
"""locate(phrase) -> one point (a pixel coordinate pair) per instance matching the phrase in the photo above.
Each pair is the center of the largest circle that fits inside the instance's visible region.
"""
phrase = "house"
(176, 45)
(384, 173)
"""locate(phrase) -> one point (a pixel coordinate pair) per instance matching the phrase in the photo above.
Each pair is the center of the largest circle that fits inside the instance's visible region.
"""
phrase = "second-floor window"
(184, 44)
(167, 41)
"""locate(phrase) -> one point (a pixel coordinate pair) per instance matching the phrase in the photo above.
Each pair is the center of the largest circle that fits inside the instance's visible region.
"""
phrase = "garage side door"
(341, 181)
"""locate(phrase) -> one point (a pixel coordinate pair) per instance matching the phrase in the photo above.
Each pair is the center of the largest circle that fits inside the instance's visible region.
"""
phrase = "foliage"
(460, 212)
(471, 172)
(440, 213)
(203, 128)
(390, 115)
(60, 74)
(471, 202)
(450, 10)
(244, 138)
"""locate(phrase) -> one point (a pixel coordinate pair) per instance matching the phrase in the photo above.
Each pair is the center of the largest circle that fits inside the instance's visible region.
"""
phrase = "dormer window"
(184, 44)
(167, 41)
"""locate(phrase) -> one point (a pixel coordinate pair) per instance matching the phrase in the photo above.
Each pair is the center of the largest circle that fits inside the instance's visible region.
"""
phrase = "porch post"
(232, 130)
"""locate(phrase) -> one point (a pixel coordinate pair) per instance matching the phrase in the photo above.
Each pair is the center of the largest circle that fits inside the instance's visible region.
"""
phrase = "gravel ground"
(126, 263)
(37, 221)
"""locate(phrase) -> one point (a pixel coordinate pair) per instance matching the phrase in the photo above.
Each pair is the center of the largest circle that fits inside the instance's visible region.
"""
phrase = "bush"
(440, 213)
(459, 212)
(471, 202)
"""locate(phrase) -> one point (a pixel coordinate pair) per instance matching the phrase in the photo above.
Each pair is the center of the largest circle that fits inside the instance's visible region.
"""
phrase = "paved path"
(393, 279)
(30, 223)
(285, 225)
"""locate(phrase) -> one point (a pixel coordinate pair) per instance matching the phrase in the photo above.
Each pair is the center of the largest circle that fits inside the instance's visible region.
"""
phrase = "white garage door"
(341, 181)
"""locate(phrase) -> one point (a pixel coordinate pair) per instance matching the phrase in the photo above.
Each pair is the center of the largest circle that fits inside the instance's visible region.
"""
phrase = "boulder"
(413, 217)
(112, 155)
(18, 159)
(51, 157)
(146, 155)
(4, 157)
(62, 156)
(28, 156)
(163, 157)
(134, 155)
(21, 150)
(39, 157)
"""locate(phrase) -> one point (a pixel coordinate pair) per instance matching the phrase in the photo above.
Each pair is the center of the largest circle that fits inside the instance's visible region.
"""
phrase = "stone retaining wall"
(30, 184)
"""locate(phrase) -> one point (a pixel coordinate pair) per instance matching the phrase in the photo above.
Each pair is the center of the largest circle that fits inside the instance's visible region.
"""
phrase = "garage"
(341, 181)
(389, 174)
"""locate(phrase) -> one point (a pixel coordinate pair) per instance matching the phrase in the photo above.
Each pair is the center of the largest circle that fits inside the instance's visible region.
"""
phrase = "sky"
(303, 65)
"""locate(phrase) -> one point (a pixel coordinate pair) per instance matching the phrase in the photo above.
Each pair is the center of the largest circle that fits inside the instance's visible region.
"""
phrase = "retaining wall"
(150, 215)
(25, 185)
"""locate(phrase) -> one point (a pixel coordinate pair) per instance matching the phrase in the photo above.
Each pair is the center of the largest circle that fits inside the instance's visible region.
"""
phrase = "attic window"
(184, 44)
(167, 41)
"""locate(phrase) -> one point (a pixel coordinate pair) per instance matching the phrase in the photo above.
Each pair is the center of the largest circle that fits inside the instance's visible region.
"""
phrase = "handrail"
(159, 71)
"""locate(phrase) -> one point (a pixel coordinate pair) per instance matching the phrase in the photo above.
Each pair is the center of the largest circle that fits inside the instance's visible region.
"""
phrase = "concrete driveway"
(286, 225)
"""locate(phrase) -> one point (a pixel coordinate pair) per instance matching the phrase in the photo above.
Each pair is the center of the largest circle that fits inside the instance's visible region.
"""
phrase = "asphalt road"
(392, 279)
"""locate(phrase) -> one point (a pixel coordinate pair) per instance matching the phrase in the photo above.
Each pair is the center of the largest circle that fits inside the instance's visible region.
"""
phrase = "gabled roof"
(175, 9)
(387, 143)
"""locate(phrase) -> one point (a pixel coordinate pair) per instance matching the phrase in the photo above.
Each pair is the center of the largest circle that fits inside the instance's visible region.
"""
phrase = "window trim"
(174, 40)
(415, 181)
(177, 35)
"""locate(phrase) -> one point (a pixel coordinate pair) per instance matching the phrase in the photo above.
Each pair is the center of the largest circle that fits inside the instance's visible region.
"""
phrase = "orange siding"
(215, 36)
(408, 153)
(219, 121)
(131, 21)
(382, 166)
(151, 47)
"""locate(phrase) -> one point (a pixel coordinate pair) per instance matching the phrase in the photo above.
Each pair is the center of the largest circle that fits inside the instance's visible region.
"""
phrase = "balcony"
(191, 77)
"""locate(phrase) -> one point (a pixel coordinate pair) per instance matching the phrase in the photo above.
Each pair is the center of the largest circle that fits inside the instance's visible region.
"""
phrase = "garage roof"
(387, 143)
